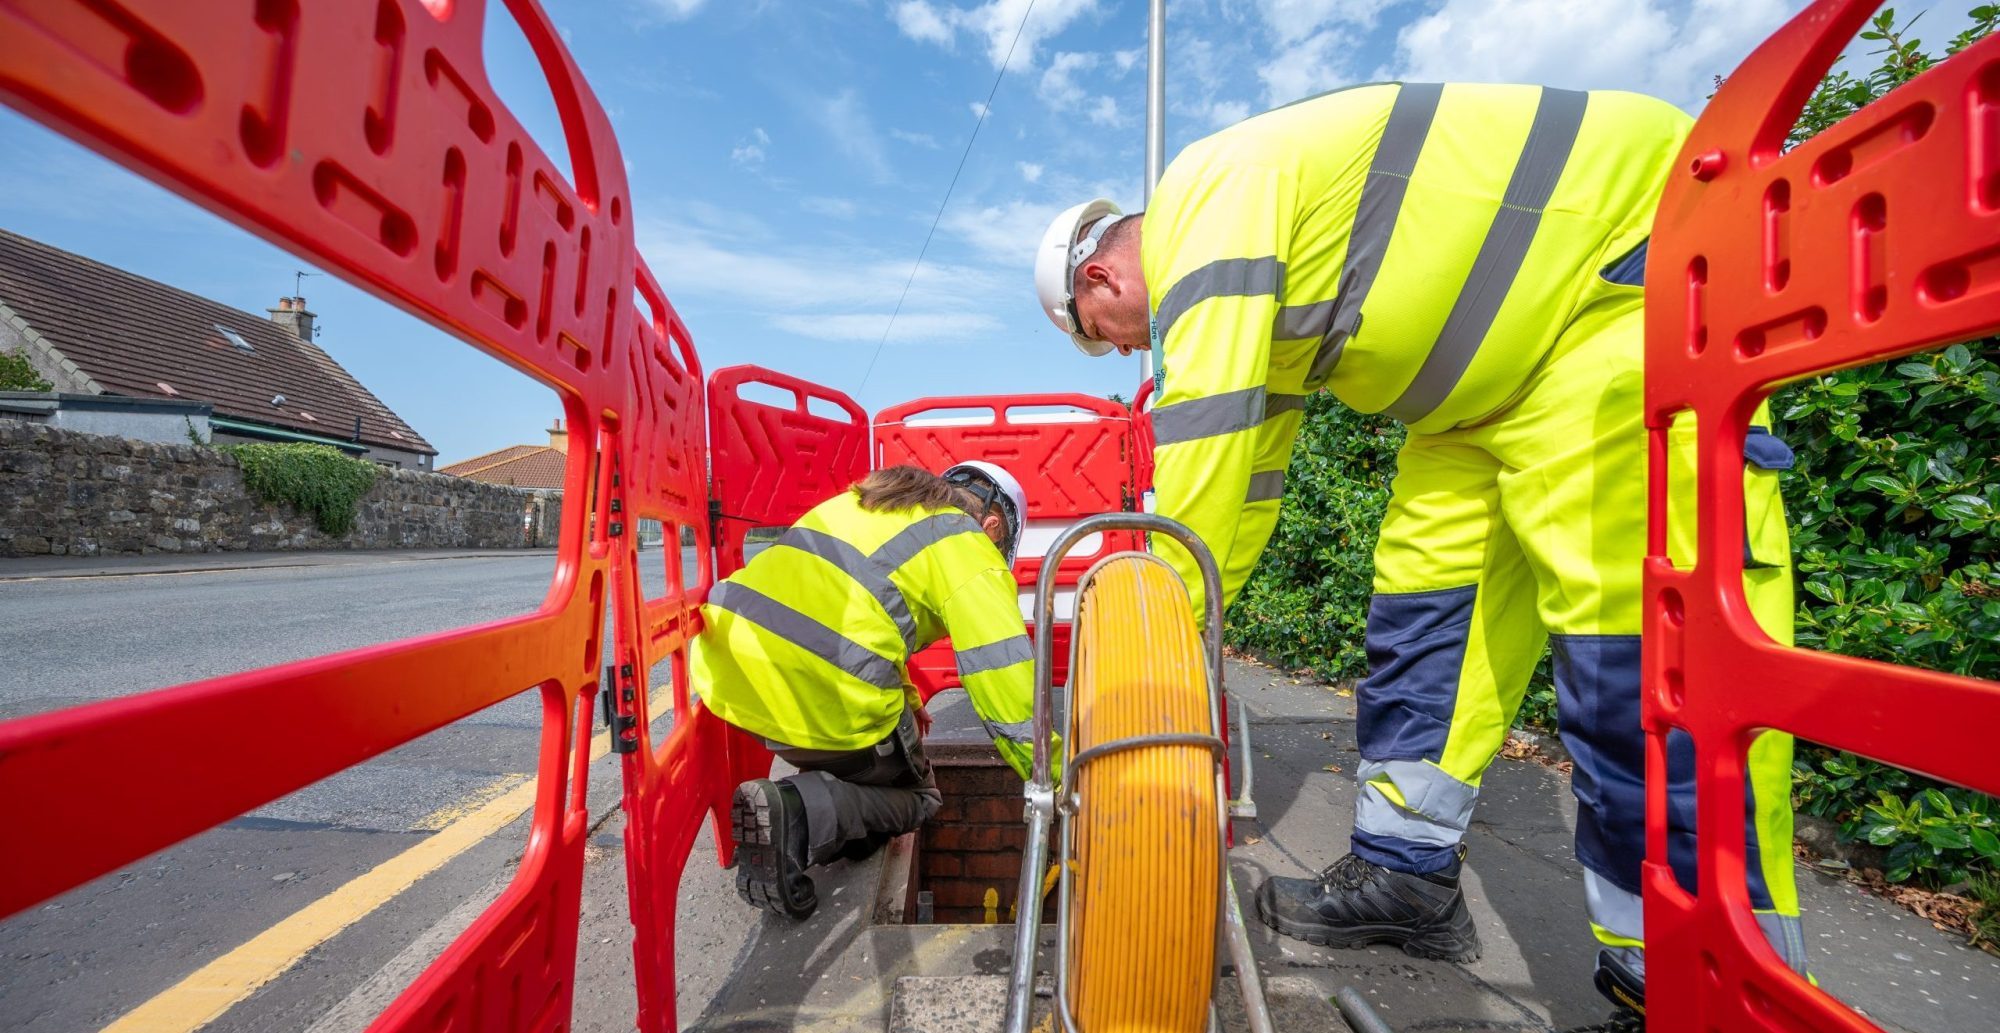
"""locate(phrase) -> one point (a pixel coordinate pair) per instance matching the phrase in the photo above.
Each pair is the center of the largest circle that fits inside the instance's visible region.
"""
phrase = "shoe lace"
(1351, 872)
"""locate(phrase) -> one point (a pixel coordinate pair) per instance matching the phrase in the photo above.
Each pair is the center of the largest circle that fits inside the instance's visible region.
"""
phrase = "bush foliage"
(17, 374)
(315, 479)
(1895, 516)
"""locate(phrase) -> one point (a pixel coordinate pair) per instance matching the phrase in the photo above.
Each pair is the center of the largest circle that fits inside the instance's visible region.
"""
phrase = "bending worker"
(1467, 259)
(807, 648)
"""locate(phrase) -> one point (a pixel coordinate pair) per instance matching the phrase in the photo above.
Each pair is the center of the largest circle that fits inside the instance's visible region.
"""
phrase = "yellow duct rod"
(1142, 914)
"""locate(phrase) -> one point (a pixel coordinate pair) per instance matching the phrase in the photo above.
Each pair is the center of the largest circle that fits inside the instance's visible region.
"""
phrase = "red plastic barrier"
(1873, 240)
(366, 136)
(773, 463)
(1069, 469)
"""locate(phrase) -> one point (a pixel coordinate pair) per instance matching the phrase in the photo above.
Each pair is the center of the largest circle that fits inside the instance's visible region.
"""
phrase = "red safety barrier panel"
(1873, 240)
(366, 136)
(773, 463)
(1073, 455)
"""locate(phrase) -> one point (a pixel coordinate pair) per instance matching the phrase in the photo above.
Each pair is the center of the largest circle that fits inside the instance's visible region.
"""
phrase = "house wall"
(159, 428)
(66, 493)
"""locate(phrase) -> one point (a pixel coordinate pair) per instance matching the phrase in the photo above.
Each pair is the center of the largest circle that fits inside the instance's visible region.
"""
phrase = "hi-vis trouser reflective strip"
(1501, 536)
(1415, 248)
(808, 644)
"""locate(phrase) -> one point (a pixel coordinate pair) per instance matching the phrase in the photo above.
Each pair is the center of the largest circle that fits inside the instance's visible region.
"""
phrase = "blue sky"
(786, 158)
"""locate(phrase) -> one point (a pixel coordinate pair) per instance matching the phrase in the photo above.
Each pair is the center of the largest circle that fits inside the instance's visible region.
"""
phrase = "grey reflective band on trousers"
(1439, 808)
(807, 634)
(1266, 486)
(1550, 138)
(1222, 278)
(994, 655)
(1208, 417)
(1621, 913)
(870, 575)
(1014, 731)
(1381, 203)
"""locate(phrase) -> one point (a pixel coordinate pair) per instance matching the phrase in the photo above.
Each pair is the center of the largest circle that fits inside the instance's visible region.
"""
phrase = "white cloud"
(750, 153)
(832, 207)
(922, 22)
(1060, 89)
(1059, 86)
(978, 108)
(924, 140)
(1030, 171)
(1007, 233)
(677, 9)
(853, 133)
(1125, 60)
(1227, 113)
(826, 292)
(867, 327)
(1646, 45)
(995, 22)
(1308, 67)
(1293, 20)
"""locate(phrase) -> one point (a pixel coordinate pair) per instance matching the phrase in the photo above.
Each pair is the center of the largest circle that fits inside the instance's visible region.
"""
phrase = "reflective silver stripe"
(1014, 731)
(1616, 911)
(1224, 277)
(1375, 218)
(1207, 417)
(1439, 808)
(1787, 936)
(993, 656)
(1277, 405)
(1297, 322)
(1266, 486)
(920, 536)
(1557, 118)
(869, 575)
(807, 634)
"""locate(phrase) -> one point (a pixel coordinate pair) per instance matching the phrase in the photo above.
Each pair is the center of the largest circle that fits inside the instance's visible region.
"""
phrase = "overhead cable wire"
(984, 110)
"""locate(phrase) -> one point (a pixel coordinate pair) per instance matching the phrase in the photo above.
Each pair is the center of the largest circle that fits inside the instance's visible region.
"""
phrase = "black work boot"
(1621, 980)
(1355, 903)
(768, 821)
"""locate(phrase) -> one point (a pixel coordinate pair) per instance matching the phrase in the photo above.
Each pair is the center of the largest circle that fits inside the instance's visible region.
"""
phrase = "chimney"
(559, 438)
(291, 313)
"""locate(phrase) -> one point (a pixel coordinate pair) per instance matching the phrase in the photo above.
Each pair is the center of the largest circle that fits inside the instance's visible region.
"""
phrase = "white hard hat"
(998, 489)
(1056, 261)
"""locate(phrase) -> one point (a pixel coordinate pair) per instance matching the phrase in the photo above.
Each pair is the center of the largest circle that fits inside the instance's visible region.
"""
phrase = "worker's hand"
(923, 716)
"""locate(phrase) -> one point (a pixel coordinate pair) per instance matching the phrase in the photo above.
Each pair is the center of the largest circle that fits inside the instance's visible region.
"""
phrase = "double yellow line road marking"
(216, 987)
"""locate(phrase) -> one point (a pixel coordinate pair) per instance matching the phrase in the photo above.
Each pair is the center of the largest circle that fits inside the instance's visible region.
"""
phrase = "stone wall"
(66, 493)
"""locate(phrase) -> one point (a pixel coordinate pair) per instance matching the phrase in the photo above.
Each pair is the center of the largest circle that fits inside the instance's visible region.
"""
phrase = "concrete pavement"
(742, 970)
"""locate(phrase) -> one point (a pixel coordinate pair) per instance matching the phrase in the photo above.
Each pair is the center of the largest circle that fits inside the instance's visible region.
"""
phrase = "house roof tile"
(523, 466)
(130, 334)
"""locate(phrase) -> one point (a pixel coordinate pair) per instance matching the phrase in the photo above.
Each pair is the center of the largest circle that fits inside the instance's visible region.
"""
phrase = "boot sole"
(1436, 944)
(759, 880)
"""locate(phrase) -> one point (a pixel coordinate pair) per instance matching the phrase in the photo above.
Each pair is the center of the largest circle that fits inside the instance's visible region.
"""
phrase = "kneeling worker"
(807, 648)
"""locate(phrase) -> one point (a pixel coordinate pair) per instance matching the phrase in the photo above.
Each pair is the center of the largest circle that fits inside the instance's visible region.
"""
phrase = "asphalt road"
(83, 960)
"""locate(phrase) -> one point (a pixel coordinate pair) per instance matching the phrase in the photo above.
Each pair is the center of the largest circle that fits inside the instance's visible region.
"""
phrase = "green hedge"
(1895, 512)
(316, 479)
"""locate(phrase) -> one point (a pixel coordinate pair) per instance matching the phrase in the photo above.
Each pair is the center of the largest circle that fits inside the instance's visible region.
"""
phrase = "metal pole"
(1156, 121)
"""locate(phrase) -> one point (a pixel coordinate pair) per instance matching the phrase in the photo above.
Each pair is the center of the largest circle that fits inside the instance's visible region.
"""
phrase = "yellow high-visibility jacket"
(809, 643)
(1414, 248)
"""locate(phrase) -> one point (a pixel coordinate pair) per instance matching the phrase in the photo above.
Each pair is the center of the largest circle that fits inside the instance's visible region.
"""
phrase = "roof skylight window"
(235, 339)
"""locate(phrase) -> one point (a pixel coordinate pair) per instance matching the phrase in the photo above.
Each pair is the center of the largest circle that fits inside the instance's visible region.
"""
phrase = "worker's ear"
(994, 527)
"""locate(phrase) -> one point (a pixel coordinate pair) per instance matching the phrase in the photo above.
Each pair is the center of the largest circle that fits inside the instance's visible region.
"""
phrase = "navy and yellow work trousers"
(1530, 528)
